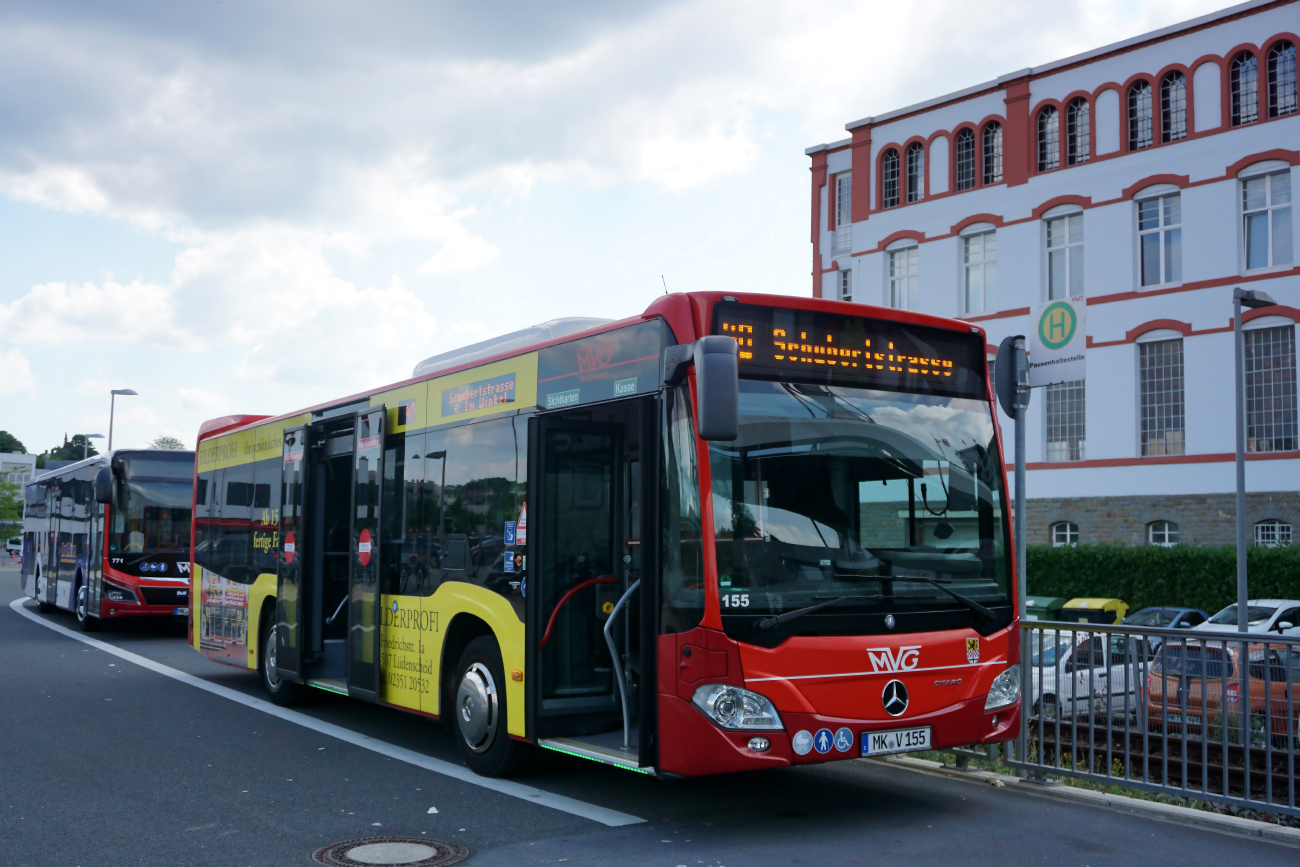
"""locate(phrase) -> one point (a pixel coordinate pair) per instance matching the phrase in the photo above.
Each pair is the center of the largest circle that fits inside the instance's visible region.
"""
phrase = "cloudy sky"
(236, 206)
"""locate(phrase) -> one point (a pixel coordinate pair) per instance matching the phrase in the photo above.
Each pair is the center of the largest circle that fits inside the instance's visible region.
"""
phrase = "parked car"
(14, 546)
(1188, 684)
(1166, 618)
(1280, 616)
(1081, 673)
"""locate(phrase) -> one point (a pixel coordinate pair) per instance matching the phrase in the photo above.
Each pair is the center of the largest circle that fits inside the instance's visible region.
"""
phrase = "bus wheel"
(478, 713)
(84, 620)
(41, 605)
(280, 691)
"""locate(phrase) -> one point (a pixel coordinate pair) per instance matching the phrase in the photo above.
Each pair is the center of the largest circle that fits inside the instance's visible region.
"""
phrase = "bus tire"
(280, 691)
(85, 622)
(479, 713)
(41, 605)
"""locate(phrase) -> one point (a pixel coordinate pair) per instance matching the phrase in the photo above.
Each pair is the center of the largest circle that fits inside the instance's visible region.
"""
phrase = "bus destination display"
(851, 350)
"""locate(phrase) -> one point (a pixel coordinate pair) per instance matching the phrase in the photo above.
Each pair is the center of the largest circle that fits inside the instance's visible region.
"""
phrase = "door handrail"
(618, 667)
(603, 579)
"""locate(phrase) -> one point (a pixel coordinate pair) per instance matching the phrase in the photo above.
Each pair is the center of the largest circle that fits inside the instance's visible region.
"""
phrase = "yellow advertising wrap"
(411, 638)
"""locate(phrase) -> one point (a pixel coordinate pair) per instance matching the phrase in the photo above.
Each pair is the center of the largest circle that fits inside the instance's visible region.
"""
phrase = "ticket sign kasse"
(826, 348)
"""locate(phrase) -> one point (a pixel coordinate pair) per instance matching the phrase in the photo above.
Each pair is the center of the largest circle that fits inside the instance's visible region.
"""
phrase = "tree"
(11, 503)
(166, 442)
(11, 443)
(71, 450)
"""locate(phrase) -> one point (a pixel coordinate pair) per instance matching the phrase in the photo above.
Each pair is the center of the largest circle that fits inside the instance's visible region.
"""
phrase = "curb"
(1235, 825)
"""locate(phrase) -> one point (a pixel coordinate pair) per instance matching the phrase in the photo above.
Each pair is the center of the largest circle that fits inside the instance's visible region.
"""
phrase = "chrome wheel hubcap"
(476, 707)
(81, 603)
(272, 676)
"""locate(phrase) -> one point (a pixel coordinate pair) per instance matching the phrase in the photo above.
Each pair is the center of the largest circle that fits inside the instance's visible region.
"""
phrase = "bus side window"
(484, 487)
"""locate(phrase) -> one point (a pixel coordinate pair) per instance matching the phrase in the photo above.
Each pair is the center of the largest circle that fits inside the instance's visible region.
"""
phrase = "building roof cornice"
(1120, 47)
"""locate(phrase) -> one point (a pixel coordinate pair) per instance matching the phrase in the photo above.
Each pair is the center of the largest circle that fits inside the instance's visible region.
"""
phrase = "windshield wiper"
(777, 619)
(937, 583)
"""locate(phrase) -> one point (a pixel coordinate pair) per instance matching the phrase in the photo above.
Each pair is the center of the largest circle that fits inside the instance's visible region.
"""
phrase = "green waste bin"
(1044, 607)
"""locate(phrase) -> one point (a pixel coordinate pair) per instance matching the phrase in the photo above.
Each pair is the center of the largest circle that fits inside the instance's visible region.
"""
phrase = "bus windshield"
(833, 491)
(151, 517)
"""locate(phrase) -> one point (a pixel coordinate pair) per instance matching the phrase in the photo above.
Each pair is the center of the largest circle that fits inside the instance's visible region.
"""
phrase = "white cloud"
(57, 314)
(15, 372)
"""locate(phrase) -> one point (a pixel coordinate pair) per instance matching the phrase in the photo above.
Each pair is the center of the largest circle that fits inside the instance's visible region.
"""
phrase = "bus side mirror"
(717, 383)
(104, 486)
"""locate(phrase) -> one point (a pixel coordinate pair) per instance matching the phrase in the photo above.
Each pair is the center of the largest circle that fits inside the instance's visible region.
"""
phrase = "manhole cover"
(381, 851)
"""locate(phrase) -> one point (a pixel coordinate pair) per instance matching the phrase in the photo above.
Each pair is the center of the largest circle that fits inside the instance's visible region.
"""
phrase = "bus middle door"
(363, 582)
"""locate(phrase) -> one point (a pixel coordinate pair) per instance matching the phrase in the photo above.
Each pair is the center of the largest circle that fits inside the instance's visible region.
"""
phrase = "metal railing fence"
(1195, 714)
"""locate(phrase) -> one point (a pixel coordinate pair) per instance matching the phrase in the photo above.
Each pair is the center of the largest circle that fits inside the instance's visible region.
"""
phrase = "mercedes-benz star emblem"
(894, 698)
(889, 621)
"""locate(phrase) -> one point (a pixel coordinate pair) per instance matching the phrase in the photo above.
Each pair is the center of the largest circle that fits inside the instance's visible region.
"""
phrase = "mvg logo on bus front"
(889, 659)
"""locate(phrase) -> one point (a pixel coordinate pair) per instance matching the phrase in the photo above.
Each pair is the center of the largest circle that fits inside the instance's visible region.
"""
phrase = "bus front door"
(292, 610)
(586, 544)
(363, 582)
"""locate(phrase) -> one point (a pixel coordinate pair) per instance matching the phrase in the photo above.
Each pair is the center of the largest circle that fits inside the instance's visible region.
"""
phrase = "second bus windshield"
(151, 517)
(828, 489)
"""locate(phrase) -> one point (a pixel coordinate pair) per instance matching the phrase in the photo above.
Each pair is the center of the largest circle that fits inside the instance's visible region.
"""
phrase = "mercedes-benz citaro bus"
(109, 537)
(732, 532)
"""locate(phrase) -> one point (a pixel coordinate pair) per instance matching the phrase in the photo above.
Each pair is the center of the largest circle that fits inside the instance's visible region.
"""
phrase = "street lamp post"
(112, 405)
(1242, 298)
(85, 443)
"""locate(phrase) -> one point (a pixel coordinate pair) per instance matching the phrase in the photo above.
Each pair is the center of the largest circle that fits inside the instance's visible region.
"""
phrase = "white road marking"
(603, 815)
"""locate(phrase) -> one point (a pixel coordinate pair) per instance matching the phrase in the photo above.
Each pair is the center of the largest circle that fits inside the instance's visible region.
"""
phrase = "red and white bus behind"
(109, 536)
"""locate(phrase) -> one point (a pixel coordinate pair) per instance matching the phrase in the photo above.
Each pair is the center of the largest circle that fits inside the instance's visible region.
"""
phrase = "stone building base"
(1202, 519)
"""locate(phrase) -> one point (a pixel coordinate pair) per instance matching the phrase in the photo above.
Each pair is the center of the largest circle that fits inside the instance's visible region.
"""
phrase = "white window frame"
(985, 266)
(1272, 533)
(1162, 533)
(1169, 231)
(1078, 132)
(1165, 445)
(1049, 139)
(1070, 247)
(845, 284)
(914, 172)
(1270, 208)
(844, 199)
(1173, 107)
(902, 275)
(1071, 441)
(1267, 399)
(1065, 534)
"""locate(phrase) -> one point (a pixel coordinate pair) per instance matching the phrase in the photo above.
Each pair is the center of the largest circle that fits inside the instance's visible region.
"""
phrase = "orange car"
(1189, 681)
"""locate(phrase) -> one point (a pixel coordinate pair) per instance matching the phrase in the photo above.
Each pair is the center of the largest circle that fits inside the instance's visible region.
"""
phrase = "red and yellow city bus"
(733, 532)
(109, 536)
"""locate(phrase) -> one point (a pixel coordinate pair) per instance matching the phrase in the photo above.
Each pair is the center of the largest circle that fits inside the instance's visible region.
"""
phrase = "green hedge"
(1143, 575)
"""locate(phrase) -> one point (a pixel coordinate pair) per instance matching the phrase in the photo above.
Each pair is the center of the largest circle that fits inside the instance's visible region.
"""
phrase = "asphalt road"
(107, 762)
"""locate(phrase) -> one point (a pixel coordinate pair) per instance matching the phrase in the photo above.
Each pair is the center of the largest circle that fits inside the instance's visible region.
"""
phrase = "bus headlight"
(118, 594)
(1005, 690)
(734, 708)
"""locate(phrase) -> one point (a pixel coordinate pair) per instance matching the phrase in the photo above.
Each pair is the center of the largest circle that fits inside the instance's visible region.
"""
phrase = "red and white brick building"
(1153, 176)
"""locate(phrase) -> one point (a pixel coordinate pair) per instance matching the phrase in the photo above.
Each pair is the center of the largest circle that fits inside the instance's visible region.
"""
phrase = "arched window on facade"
(1078, 131)
(1139, 116)
(1065, 534)
(1272, 534)
(1162, 533)
(889, 179)
(915, 171)
(965, 160)
(1281, 80)
(1243, 92)
(992, 153)
(1173, 107)
(1049, 139)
